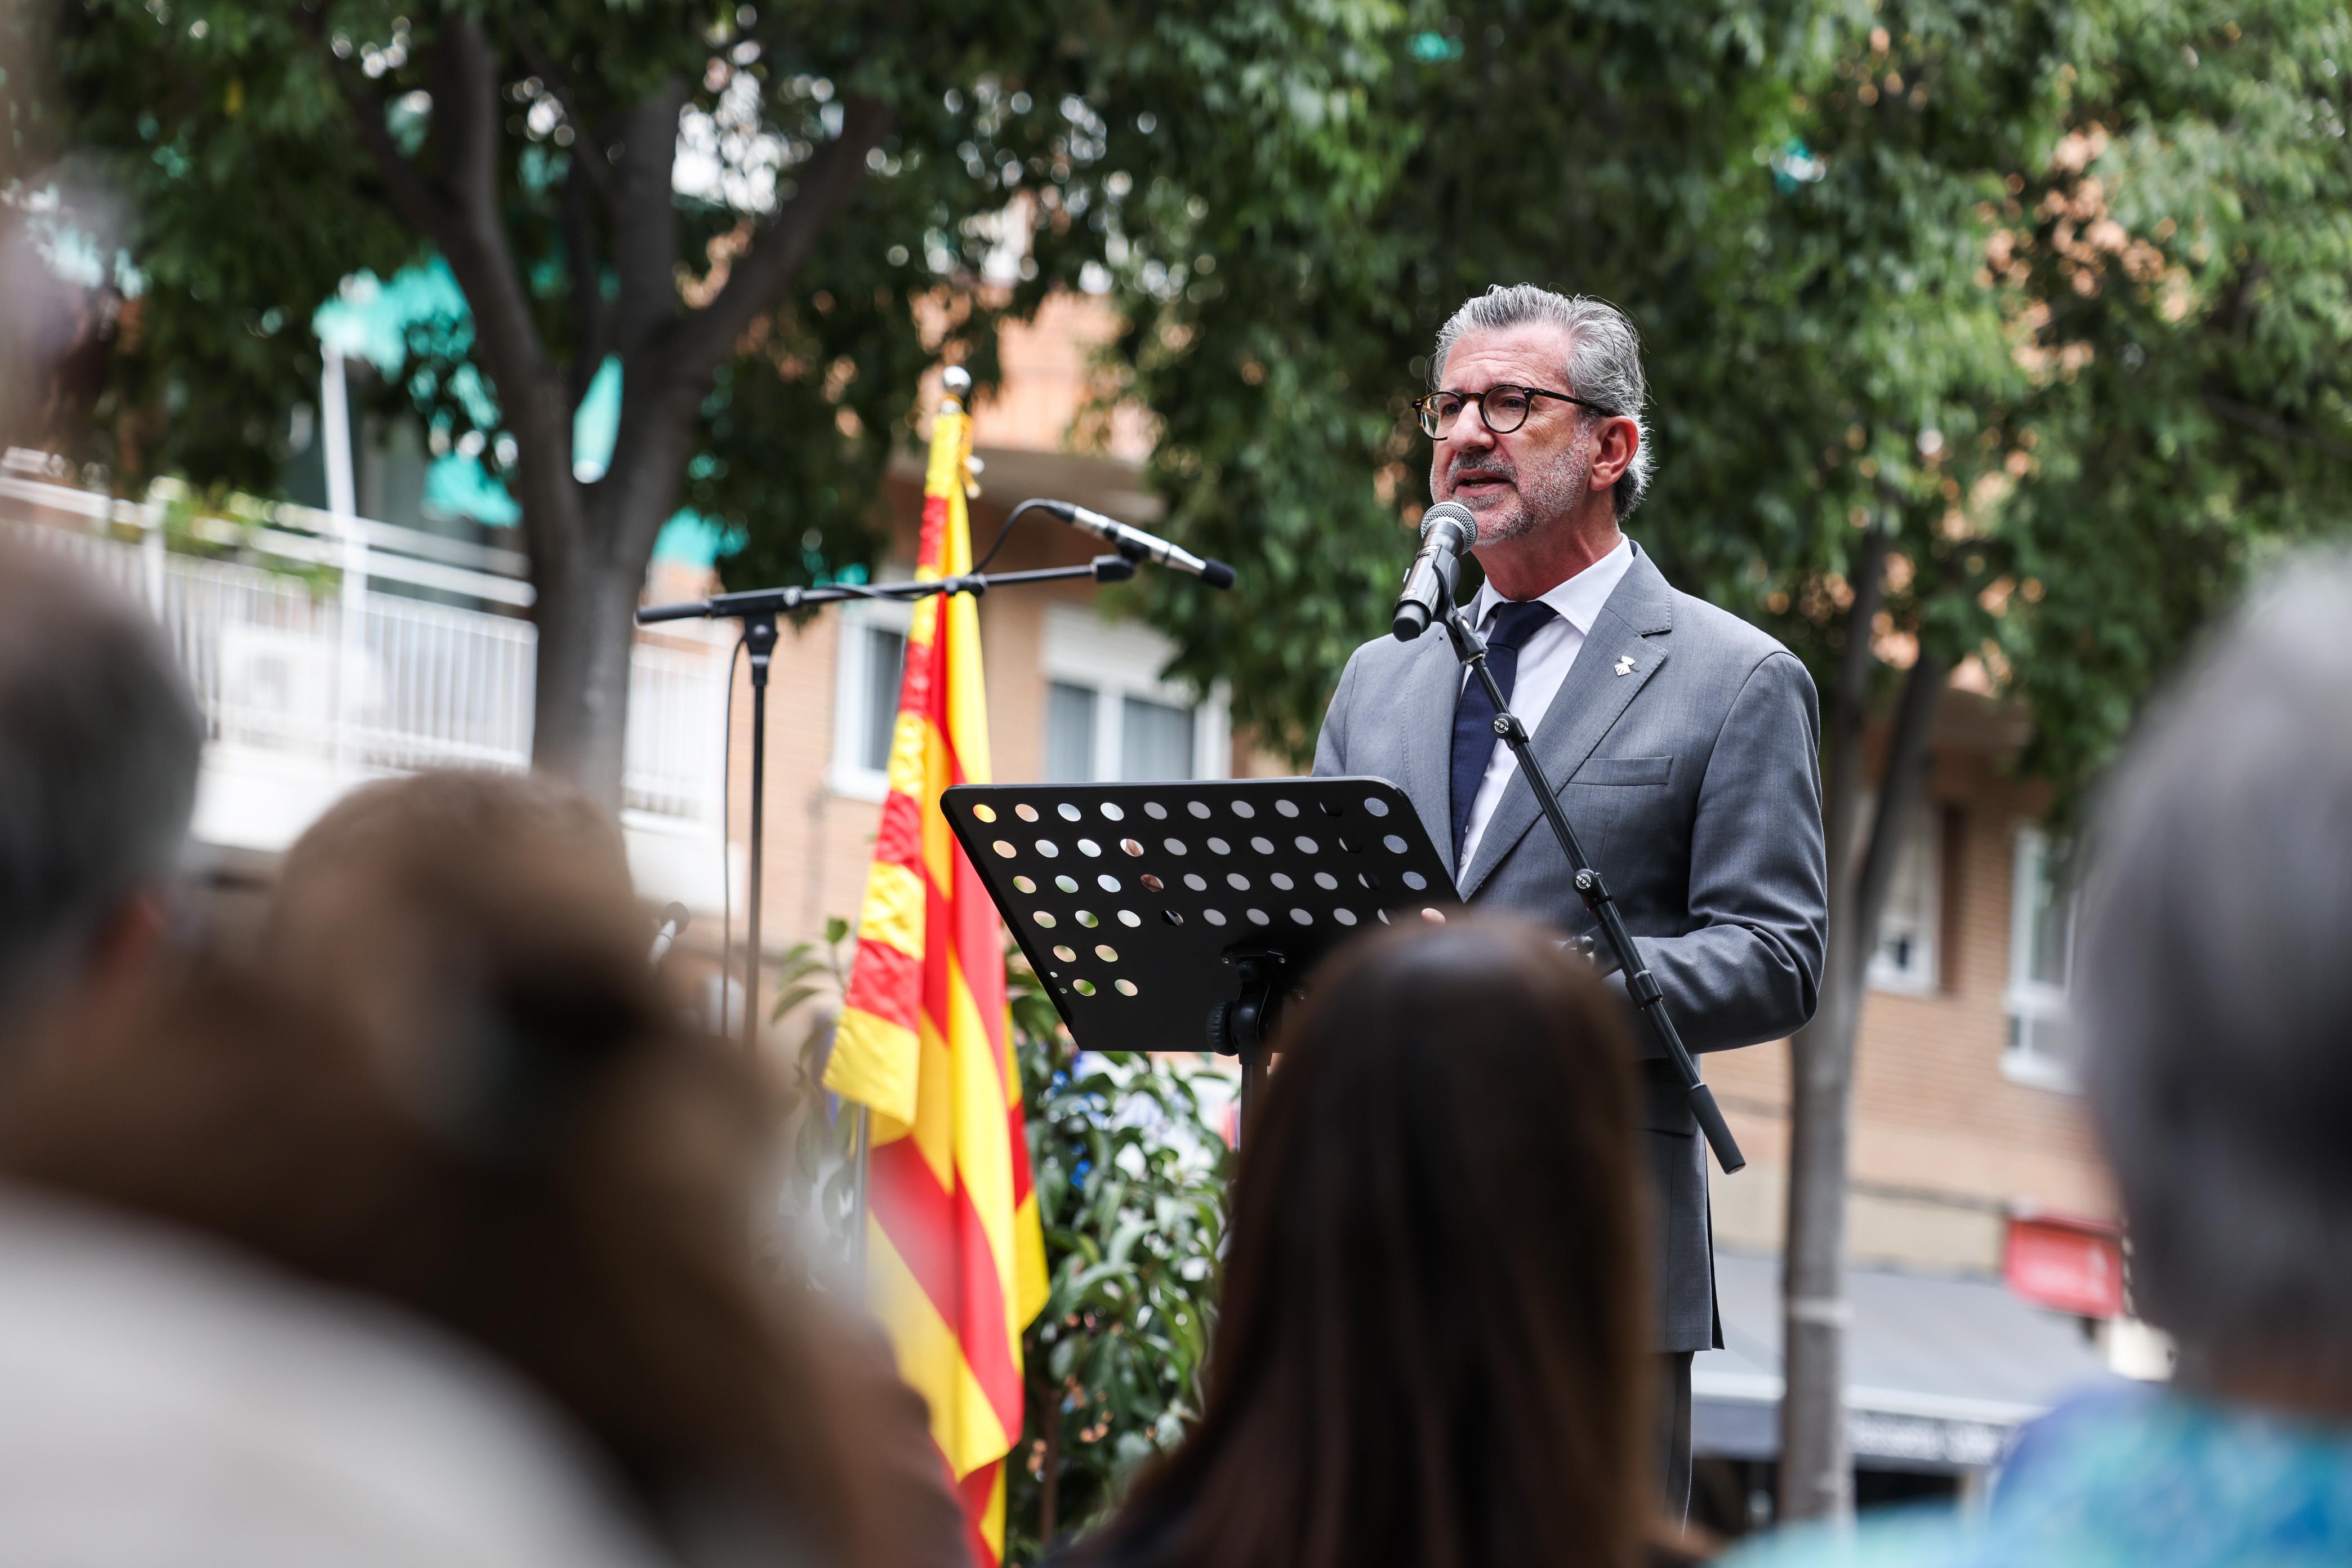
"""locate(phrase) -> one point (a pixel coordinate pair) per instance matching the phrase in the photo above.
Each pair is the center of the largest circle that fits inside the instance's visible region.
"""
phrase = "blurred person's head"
(409, 897)
(1429, 1349)
(1543, 473)
(2216, 1000)
(464, 1090)
(99, 740)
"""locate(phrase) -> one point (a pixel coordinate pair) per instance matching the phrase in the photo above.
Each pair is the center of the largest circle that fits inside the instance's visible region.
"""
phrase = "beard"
(1538, 497)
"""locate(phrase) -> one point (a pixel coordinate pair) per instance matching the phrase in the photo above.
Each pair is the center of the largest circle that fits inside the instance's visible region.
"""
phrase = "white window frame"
(853, 674)
(1926, 970)
(2027, 1000)
(1118, 659)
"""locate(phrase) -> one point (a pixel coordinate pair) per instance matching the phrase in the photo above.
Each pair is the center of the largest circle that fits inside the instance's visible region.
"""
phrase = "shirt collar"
(1577, 601)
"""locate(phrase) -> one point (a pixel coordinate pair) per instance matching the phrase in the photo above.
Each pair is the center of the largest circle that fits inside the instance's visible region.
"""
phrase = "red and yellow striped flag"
(956, 1260)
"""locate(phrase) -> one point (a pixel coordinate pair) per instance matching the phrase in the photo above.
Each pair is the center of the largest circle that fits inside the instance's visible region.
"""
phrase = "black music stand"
(1182, 917)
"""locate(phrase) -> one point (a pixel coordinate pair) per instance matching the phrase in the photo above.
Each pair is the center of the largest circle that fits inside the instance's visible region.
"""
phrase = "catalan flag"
(955, 1255)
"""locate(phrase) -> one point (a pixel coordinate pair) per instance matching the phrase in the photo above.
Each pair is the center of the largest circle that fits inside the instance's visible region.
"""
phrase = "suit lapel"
(1425, 706)
(1636, 624)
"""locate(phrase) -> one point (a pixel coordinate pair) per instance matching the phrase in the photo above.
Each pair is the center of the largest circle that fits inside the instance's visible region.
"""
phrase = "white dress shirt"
(1544, 664)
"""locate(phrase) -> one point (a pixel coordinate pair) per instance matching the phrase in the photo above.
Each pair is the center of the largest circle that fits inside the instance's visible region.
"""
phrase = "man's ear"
(125, 955)
(1620, 440)
(131, 937)
(97, 989)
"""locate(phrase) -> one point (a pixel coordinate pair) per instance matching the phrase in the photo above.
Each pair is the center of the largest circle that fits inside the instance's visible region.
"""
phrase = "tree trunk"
(589, 543)
(1816, 1471)
(588, 574)
(1047, 1403)
(587, 625)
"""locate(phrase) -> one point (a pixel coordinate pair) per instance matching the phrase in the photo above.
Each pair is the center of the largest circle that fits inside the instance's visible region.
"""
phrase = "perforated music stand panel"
(1127, 898)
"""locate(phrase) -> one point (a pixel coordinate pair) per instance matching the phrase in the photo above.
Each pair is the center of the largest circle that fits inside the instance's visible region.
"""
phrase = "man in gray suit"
(1681, 741)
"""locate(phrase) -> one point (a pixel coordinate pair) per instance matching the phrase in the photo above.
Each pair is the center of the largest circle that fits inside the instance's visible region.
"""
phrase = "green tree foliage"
(2042, 291)
(1130, 1182)
(1983, 335)
(2184, 250)
(774, 216)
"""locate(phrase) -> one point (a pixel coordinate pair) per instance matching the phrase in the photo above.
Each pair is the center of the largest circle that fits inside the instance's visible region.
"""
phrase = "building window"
(865, 695)
(885, 662)
(2041, 964)
(1906, 957)
(1070, 726)
(1156, 738)
(1109, 716)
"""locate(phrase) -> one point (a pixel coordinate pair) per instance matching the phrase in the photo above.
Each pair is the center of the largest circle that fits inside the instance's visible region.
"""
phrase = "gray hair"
(99, 741)
(2216, 996)
(1604, 360)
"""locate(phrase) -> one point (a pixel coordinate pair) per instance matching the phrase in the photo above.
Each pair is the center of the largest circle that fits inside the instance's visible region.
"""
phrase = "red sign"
(2073, 1266)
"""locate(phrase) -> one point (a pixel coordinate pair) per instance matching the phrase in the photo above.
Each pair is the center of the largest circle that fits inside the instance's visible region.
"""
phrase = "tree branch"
(587, 151)
(703, 341)
(480, 255)
(644, 219)
(587, 276)
(2276, 428)
(1849, 715)
(416, 197)
(1899, 793)
(464, 216)
(463, 221)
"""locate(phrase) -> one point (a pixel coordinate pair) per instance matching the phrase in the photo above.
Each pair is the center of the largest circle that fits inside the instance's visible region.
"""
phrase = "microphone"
(1137, 545)
(1447, 530)
(673, 925)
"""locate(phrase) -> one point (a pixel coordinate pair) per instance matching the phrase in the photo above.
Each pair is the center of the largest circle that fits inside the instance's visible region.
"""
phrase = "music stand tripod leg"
(1253, 1078)
(1244, 1026)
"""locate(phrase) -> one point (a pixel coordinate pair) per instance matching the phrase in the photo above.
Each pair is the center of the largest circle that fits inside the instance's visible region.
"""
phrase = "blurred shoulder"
(1924, 1539)
(207, 1397)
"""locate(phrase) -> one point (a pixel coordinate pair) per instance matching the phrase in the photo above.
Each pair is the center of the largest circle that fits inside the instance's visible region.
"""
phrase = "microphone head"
(675, 915)
(1216, 574)
(1455, 512)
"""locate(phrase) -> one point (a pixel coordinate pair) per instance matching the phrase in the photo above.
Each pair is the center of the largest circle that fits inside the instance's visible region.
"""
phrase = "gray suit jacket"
(1692, 782)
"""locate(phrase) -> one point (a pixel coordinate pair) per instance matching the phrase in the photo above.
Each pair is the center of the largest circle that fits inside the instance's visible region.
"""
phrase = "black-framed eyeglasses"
(1502, 408)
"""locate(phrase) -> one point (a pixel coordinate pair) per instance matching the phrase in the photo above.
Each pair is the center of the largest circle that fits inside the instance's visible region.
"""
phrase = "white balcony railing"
(312, 683)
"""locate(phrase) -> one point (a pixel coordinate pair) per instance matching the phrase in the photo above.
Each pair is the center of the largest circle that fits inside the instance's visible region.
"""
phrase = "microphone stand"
(757, 609)
(1639, 984)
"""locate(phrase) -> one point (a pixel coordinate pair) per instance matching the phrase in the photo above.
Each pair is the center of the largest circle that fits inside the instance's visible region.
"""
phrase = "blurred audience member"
(483, 929)
(169, 1398)
(1430, 1348)
(164, 1399)
(99, 745)
(2215, 1006)
(468, 1121)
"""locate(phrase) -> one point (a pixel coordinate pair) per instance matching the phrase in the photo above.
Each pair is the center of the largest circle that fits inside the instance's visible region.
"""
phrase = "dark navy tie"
(1513, 622)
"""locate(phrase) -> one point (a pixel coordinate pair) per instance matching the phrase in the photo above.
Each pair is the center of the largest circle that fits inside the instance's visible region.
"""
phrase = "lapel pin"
(1625, 665)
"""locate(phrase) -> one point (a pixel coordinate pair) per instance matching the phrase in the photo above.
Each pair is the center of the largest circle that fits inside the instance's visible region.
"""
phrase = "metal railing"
(312, 663)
